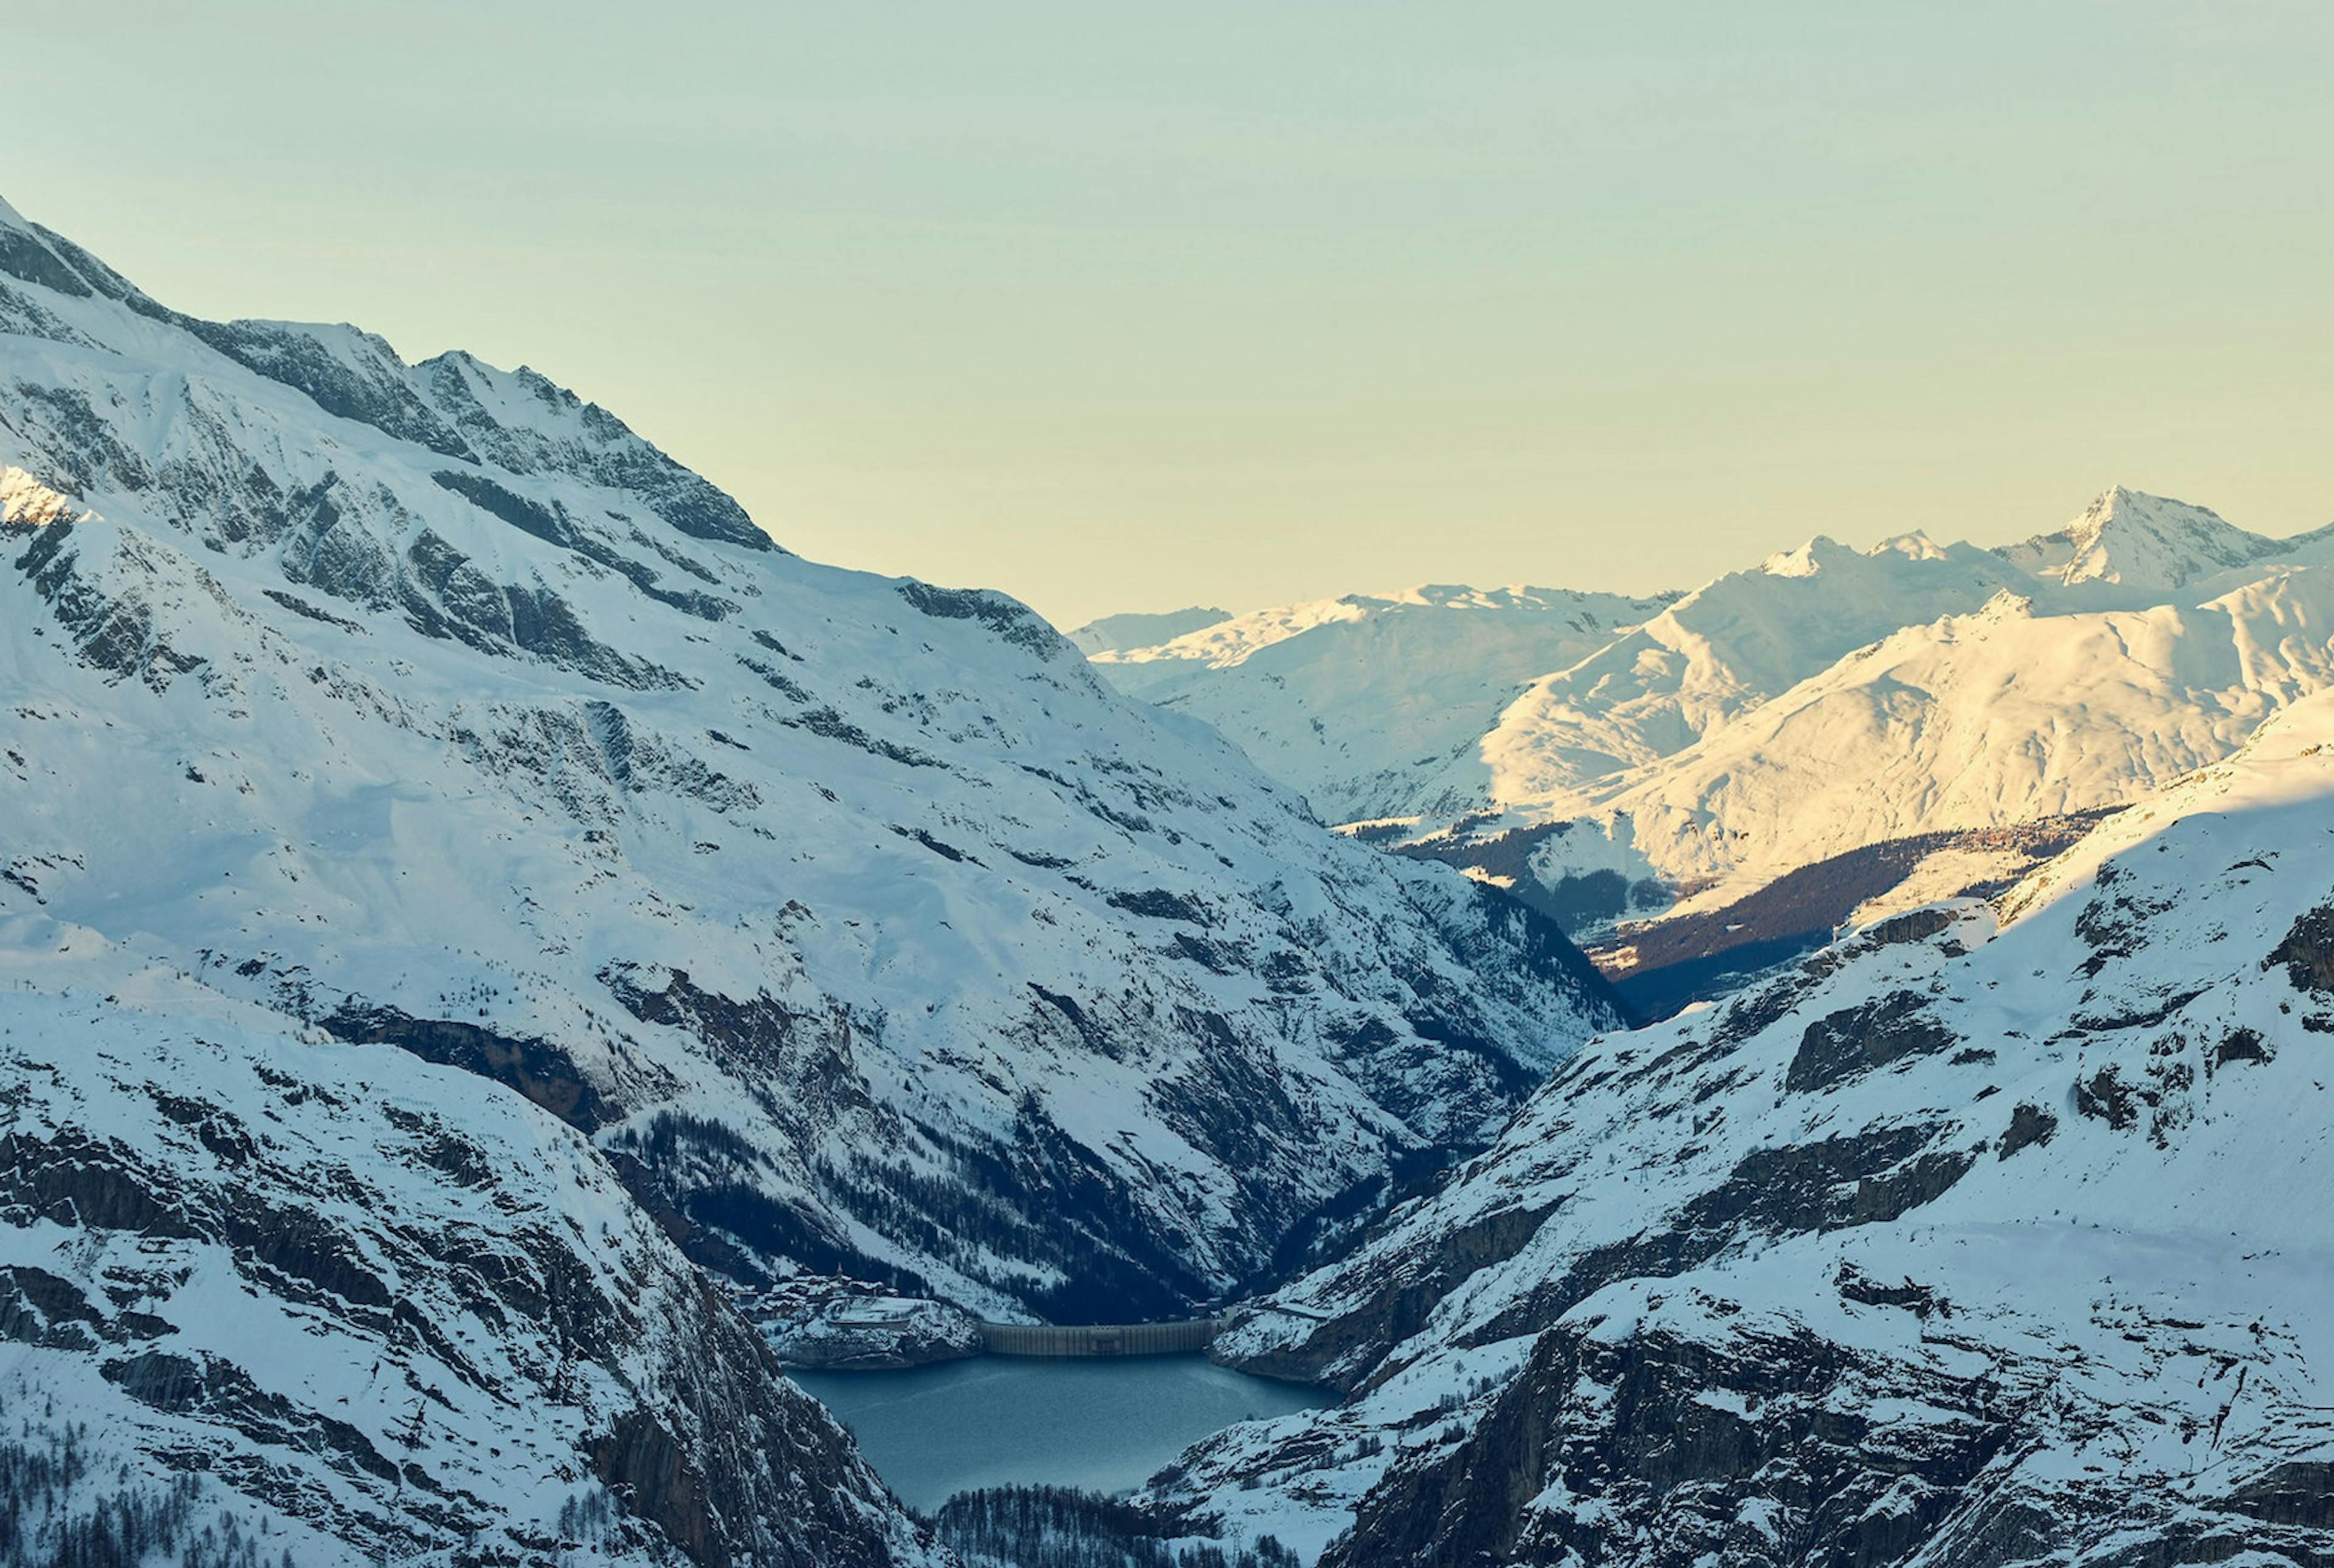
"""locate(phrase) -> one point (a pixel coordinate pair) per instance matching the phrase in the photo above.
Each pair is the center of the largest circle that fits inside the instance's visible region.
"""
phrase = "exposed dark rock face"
(1856, 1285)
(39, 1308)
(1161, 905)
(446, 597)
(1397, 1307)
(1957, 1246)
(367, 386)
(703, 1467)
(1757, 1445)
(2240, 1045)
(2029, 1125)
(551, 523)
(239, 1257)
(535, 1068)
(584, 440)
(1008, 618)
(37, 255)
(1829, 1185)
(1914, 925)
(2308, 951)
(2107, 1096)
(1855, 1040)
(113, 633)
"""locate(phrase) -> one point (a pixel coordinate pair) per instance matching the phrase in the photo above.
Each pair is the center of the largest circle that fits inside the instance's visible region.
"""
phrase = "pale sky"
(1128, 307)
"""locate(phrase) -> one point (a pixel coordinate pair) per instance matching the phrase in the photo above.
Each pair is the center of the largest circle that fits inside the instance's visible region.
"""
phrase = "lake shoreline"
(1097, 1423)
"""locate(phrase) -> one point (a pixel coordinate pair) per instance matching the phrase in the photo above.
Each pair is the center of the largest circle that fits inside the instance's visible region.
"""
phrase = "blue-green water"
(1103, 1425)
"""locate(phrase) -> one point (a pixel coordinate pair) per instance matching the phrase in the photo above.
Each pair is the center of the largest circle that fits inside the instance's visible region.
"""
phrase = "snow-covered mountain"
(857, 911)
(331, 1303)
(2016, 711)
(1992, 1234)
(849, 922)
(2148, 543)
(1829, 702)
(1371, 705)
(1443, 701)
(1711, 657)
(1141, 630)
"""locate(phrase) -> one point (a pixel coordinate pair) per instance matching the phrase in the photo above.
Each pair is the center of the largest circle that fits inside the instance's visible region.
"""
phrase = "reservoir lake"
(1102, 1424)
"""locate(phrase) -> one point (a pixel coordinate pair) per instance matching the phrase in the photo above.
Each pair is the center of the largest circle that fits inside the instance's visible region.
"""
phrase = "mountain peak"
(2136, 539)
(2120, 506)
(455, 405)
(1916, 545)
(1806, 561)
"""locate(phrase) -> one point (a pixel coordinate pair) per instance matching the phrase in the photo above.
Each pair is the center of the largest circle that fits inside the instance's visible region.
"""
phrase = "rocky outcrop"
(389, 1314)
(2308, 951)
(537, 1069)
(1333, 1347)
(1761, 1442)
(1957, 1246)
(1855, 1040)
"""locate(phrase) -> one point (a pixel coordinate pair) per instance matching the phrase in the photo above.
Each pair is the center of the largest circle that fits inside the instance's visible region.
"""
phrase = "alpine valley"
(1992, 1234)
(466, 889)
(1986, 1234)
(500, 959)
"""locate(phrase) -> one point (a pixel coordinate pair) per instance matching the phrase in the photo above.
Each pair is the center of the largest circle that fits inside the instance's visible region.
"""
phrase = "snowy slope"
(1830, 700)
(1373, 705)
(1986, 1236)
(339, 1297)
(2145, 542)
(1443, 701)
(1714, 656)
(855, 919)
(2012, 713)
(1141, 630)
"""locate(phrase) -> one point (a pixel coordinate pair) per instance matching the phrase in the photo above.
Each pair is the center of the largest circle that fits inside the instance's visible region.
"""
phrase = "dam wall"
(1099, 1339)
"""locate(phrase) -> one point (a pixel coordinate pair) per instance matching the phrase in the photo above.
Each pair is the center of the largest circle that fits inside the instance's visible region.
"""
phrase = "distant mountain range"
(1614, 760)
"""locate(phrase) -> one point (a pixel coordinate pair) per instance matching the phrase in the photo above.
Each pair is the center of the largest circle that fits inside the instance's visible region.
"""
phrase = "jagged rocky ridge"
(1992, 1234)
(856, 919)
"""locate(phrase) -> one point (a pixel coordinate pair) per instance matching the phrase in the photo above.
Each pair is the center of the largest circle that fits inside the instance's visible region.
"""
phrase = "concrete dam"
(1099, 1339)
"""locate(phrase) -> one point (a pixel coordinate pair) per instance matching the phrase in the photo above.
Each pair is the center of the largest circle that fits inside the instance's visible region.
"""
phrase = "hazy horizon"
(1129, 312)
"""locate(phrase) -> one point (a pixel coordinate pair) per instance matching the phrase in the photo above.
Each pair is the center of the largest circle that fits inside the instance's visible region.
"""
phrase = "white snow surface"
(1368, 702)
(2083, 1135)
(390, 1314)
(857, 919)
(1827, 700)
(2008, 713)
